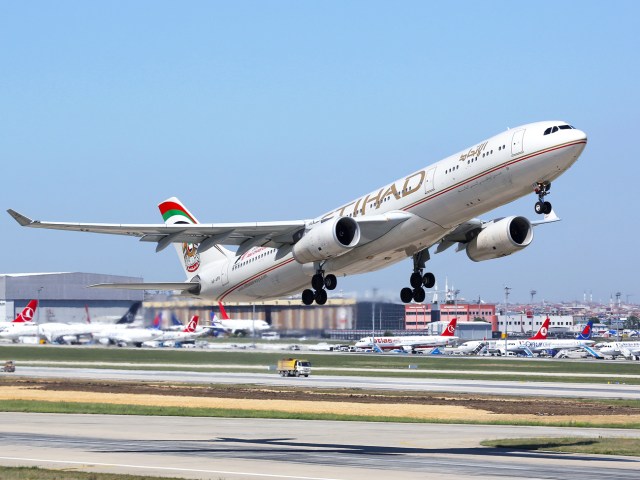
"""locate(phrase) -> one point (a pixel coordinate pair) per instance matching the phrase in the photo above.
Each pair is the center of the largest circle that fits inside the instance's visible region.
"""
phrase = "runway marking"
(145, 467)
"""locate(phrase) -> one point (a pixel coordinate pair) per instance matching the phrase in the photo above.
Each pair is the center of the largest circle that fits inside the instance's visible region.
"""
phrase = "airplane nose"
(580, 135)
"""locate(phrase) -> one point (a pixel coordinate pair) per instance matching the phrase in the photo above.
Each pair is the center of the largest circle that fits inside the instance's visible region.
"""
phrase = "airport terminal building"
(64, 297)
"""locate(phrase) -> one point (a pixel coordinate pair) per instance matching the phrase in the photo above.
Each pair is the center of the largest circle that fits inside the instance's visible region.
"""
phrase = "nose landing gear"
(319, 282)
(542, 189)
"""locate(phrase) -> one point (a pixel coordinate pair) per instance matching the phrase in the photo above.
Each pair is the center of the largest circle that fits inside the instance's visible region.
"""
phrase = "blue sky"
(258, 111)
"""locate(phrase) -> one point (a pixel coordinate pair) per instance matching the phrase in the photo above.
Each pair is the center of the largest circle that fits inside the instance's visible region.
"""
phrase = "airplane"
(411, 343)
(519, 346)
(127, 336)
(26, 315)
(189, 333)
(629, 350)
(238, 326)
(434, 206)
(70, 333)
(476, 346)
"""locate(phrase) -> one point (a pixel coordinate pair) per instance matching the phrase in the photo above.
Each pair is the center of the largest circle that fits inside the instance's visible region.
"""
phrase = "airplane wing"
(271, 234)
(465, 232)
(245, 235)
(187, 287)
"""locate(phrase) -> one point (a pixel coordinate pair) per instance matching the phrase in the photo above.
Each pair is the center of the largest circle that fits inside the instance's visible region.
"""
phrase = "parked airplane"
(26, 315)
(629, 350)
(127, 336)
(433, 206)
(238, 326)
(71, 333)
(477, 346)
(411, 343)
(189, 333)
(517, 345)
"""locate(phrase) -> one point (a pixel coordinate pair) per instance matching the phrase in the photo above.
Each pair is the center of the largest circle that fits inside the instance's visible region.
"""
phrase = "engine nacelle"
(500, 238)
(326, 240)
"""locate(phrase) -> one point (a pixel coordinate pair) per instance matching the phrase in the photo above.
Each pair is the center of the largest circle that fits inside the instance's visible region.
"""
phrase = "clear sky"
(258, 111)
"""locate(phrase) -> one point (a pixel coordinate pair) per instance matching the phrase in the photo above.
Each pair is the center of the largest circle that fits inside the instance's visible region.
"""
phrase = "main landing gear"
(319, 282)
(542, 189)
(418, 281)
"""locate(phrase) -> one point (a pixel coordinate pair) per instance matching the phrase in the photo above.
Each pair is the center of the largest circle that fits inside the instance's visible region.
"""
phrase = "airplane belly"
(401, 242)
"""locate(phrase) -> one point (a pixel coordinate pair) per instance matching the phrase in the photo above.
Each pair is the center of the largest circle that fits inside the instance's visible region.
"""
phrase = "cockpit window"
(558, 127)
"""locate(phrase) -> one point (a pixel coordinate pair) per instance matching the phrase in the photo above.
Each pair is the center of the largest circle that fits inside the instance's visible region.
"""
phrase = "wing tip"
(23, 220)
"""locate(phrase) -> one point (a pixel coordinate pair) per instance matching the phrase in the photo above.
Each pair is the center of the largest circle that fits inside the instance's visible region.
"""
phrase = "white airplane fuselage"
(438, 198)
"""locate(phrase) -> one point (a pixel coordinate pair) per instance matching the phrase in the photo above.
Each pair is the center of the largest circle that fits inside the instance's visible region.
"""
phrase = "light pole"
(38, 319)
(506, 317)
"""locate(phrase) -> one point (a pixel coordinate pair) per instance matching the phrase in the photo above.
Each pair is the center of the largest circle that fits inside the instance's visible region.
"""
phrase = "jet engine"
(326, 240)
(500, 238)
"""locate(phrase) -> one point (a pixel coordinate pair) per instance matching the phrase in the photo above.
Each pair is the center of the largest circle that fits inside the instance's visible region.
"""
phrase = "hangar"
(64, 296)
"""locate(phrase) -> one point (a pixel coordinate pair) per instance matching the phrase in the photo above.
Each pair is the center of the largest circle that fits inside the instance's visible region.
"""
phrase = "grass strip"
(34, 406)
(36, 473)
(593, 446)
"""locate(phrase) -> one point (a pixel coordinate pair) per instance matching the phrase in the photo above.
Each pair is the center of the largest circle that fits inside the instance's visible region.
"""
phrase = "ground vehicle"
(294, 367)
(9, 366)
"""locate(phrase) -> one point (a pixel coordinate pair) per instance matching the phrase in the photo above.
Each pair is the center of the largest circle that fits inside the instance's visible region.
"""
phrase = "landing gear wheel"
(542, 190)
(317, 281)
(321, 297)
(406, 295)
(419, 295)
(429, 280)
(539, 207)
(308, 296)
(330, 282)
(416, 280)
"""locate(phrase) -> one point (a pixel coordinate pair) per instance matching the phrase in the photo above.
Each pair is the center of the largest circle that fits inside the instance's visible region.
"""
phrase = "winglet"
(21, 219)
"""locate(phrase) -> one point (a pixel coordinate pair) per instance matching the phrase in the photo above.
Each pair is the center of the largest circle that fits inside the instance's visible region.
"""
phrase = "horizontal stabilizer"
(190, 287)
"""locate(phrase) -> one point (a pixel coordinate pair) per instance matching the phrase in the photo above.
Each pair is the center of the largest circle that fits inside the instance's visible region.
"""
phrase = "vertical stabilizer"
(175, 213)
(541, 334)
(451, 328)
(27, 313)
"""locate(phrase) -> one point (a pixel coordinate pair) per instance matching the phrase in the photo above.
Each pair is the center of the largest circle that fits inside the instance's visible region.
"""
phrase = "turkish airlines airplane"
(434, 206)
(411, 343)
(25, 316)
(519, 346)
(189, 332)
(239, 326)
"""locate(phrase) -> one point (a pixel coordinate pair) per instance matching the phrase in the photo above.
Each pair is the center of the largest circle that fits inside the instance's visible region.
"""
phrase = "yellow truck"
(294, 367)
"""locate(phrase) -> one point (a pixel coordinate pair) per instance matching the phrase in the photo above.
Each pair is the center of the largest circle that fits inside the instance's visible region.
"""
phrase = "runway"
(486, 387)
(291, 449)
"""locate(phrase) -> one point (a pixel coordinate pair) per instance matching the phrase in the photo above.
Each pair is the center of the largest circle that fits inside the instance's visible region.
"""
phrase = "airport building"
(418, 316)
(64, 297)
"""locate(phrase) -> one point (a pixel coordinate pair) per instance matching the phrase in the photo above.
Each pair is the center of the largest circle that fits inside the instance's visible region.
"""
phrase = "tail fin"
(223, 312)
(451, 328)
(542, 332)
(174, 321)
(27, 313)
(586, 331)
(130, 316)
(175, 213)
(192, 325)
(157, 321)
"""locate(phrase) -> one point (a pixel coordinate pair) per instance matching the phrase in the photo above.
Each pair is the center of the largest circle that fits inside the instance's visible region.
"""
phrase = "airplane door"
(428, 180)
(516, 144)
